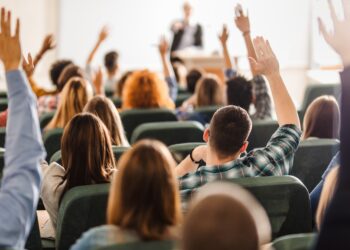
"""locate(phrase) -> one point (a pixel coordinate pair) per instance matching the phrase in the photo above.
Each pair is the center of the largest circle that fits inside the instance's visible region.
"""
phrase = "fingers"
(8, 26)
(346, 7)
(324, 32)
(3, 21)
(333, 13)
(17, 28)
(30, 59)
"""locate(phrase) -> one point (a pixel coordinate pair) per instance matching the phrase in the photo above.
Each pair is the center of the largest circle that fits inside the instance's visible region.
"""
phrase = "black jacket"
(198, 42)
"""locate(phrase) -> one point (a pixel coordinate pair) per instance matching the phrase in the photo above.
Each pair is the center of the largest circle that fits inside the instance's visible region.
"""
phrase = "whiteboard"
(136, 26)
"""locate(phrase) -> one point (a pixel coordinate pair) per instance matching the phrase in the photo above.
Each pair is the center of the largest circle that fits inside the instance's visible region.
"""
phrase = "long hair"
(144, 194)
(209, 92)
(87, 154)
(144, 89)
(104, 108)
(322, 118)
(75, 94)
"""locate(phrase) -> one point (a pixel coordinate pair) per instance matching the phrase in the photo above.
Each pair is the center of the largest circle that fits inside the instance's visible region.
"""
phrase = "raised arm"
(267, 64)
(19, 192)
(101, 38)
(336, 224)
(223, 37)
(48, 44)
(169, 75)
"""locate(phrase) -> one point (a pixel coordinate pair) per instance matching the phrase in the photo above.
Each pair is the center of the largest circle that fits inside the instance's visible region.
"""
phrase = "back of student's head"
(192, 78)
(223, 216)
(144, 194)
(145, 89)
(322, 118)
(209, 91)
(87, 155)
(75, 95)
(56, 70)
(239, 92)
(67, 73)
(111, 61)
(104, 108)
(229, 129)
(121, 83)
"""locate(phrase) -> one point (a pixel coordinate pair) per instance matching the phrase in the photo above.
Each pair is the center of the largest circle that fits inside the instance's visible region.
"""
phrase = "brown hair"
(67, 73)
(322, 118)
(121, 84)
(74, 97)
(144, 89)
(87, 155)
(229, 129)
(326, 195)
(144, 194)
(209, 92)
(103, 108)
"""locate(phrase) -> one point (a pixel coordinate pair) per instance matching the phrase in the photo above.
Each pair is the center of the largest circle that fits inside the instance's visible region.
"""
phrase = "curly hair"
(145, 89)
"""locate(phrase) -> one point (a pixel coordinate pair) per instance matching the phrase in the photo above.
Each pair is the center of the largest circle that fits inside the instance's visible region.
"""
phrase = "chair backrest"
(152, 245)
(118, 151)
(133, 118)
(3, 104)
(207, 112)
(52, 142)
(261, 133)
(295, 242)
(117, 102)
(312, 159)
(81, 208)
(46, 118)
(181, 150)
(170, 132)
(3, 94)
(2, 137)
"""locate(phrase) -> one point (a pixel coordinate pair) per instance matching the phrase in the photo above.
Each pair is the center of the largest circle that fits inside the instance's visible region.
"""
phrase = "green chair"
(207, 111)
(81, 208)
(52, 142)
(2, 160)
(3, 104)
(135, 117)
(109, 92)
(180, 151)
(3, 94)
(118, 151)
(45, 119)
(2, 137)
(152, 245)
(261, 133)
(312, 159)
(117, 102)
(170, 132)
(295, 242)
(181, 98)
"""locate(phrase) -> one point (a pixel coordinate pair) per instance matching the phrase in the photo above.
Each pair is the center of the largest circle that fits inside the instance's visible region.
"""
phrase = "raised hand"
(223, 37)
(49, 43)
(241, 20)
(339, 39)
(266, 62)
(163, 46)
(104, 33)
(10, 46)
(28, 65)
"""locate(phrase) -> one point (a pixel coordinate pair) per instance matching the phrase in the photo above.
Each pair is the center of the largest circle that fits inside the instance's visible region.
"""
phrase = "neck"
(111, 74)
(213, 158)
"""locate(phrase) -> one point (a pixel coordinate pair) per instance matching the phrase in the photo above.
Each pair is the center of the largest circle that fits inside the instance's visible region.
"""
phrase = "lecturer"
(185, 33)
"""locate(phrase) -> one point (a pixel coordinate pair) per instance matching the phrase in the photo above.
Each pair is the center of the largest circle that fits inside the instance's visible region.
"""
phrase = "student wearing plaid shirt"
(229, 129)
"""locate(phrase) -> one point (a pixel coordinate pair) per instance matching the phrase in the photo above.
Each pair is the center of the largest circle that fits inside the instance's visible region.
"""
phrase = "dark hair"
(68, 72)
(192, 78)
(56, 70)
(111, 60)
(229, 129)
(121, 83)
(239, 92)
(209, 92)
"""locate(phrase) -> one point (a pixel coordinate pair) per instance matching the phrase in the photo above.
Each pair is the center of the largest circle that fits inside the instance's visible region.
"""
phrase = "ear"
(206, 135)
(244, 147)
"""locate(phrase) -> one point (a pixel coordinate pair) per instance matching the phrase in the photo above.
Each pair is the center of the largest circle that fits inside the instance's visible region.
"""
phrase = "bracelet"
(193, 160)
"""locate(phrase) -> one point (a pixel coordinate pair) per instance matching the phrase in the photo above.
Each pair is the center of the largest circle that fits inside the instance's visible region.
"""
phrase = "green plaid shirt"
(275, 159)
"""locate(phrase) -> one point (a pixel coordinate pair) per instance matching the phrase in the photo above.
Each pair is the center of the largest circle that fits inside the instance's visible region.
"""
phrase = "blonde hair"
(209, 91)
(144, 89)
(326, 195)
(75, 94)
(104, 109)
(144, 194)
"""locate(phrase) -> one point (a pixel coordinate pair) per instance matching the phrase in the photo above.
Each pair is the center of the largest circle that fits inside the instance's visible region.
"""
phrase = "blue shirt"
(19, 191)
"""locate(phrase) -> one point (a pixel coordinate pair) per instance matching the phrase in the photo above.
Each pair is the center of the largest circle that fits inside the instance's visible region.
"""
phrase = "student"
(192, 79)
(209, 92)
(234, 220)
(144, 202)
(21, 178)
(228, 132)
(87, 158)
(104, 109)
(322, 119)
(121, 83)
(240, 91)
(145, 89)
(75, 95)
(335, 228)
